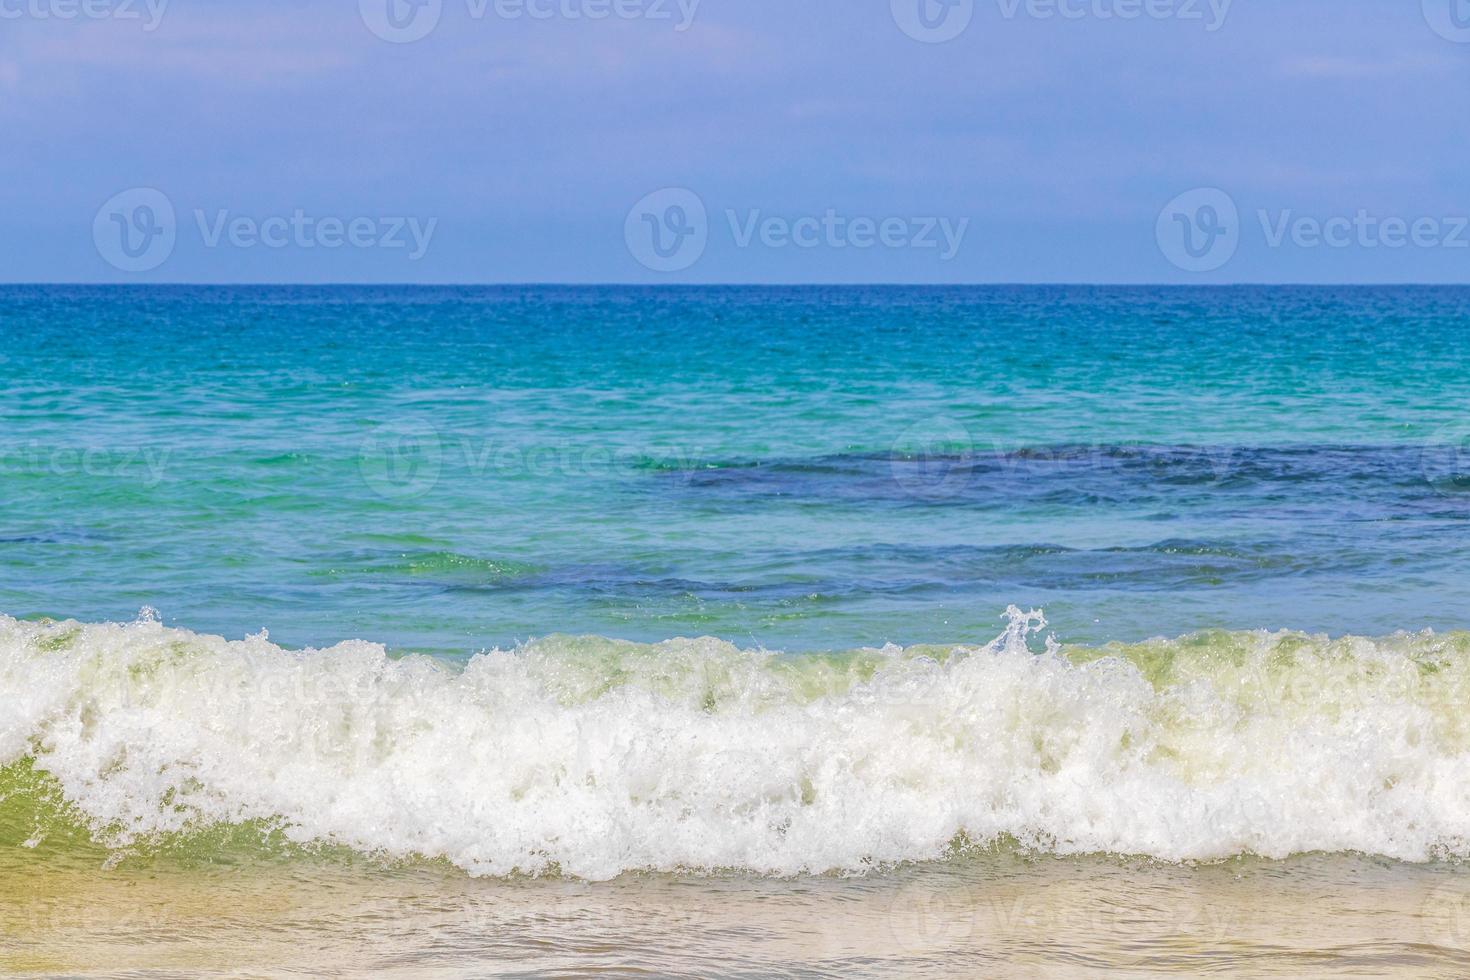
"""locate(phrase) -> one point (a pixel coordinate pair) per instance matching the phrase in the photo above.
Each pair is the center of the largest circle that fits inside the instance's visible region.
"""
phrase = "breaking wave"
(593, 757)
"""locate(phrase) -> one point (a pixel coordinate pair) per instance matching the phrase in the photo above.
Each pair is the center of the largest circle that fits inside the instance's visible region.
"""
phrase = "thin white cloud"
(1355, 68)
(258, 49)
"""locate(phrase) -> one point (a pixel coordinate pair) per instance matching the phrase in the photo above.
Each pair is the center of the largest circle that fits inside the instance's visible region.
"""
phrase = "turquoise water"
(752, 571)
(450, 470)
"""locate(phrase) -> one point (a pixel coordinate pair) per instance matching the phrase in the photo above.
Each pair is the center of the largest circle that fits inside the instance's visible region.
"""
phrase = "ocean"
(820, 631)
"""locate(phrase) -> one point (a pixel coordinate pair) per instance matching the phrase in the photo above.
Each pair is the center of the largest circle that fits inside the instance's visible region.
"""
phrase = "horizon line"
(734, 285)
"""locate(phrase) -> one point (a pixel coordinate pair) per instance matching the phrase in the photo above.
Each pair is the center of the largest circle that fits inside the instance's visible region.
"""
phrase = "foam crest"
(593, 757)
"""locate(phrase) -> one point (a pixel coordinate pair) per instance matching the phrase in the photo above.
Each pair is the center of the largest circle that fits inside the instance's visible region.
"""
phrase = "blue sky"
(763, 140)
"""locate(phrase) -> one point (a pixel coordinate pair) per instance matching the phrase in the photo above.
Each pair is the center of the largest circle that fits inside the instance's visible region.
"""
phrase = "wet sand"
(994, 915)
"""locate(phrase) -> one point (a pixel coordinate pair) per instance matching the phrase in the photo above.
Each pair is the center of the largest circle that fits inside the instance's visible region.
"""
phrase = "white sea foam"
(593, 757)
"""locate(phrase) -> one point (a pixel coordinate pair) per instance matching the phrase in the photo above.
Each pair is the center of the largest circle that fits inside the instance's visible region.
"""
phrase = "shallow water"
(995, 915)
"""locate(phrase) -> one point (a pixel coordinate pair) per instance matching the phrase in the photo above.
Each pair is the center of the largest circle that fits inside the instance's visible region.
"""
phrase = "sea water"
(854, 629)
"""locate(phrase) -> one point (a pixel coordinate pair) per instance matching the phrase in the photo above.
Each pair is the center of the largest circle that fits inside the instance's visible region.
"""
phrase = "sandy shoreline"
(995, 915)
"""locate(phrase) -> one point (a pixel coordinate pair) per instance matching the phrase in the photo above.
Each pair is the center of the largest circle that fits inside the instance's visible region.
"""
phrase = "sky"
(767, 141)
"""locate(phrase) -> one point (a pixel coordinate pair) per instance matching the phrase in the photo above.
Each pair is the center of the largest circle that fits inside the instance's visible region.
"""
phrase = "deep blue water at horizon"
(454, 468)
